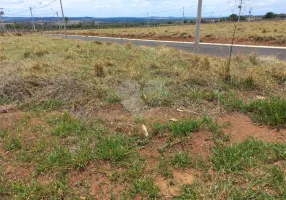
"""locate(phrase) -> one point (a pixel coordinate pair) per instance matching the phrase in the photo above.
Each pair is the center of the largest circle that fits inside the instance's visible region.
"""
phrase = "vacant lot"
(98, 120)
(258, 33)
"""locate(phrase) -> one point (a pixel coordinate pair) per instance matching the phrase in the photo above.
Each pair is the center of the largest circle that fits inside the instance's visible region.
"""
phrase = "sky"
(138, 8)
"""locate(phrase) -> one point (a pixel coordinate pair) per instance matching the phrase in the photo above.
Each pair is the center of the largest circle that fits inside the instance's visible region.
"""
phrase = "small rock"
(260, 97)
(145, 131)
(173, 120)
(182, 110)
(2, 111)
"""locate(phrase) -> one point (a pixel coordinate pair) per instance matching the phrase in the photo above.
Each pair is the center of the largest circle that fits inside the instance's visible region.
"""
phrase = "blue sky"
(139, 8)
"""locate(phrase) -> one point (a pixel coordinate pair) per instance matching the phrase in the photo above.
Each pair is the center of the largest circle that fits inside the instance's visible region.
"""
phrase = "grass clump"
(189, 192)
(277, 180)
(242, 156)
(157, 94)
(163, 168)
(13, 144)
(180, 128)
(145, 187)
(21, 190)
(65, 125)
(181, 160)
(114, 148)
(60, 158)
(113, 98)
(3, 133)
(45, 105)
(271, 112)
(186, 128)
(139, 119)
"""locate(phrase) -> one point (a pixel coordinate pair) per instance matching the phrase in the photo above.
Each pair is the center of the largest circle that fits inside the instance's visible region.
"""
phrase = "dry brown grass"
(265, 32)
(73, 129)
(41, 68)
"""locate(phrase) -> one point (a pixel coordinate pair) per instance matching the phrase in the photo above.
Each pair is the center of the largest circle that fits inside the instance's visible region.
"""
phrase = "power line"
(33, 7)
(46, 5)
(18, 12)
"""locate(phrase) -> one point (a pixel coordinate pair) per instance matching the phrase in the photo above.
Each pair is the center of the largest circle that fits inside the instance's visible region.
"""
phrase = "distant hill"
(102, 20)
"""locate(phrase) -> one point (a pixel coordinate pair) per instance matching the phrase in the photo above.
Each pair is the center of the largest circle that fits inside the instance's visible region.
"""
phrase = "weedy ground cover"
(73, 112)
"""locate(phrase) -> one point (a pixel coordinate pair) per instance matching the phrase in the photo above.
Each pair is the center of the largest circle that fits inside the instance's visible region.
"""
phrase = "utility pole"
(42, 24)
(58, 20)
(2, 13)
(198, 26)
(212, 17)
(34, 27)
(57, 17)
(64, 21)
(240, 7)
(183, 15)
(250, 11)
(147, 19)
(14, 27)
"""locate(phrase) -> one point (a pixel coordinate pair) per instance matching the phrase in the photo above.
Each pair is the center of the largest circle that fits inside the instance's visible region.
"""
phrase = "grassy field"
(92, 120)
(264, 33)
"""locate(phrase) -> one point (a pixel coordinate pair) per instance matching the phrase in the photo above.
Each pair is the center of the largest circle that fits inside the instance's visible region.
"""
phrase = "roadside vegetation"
(264, 33)
(84, 120)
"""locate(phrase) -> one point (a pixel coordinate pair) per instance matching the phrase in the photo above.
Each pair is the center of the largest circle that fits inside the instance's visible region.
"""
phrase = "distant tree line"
(91, 24)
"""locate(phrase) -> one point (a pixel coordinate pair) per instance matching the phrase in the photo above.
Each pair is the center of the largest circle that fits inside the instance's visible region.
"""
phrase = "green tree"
(233, 17)
(67, 19)
(270, 15)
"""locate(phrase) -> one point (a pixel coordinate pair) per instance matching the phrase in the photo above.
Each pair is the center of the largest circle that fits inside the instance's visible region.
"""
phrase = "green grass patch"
(242, 156)
(114, 148)
(65, 125)
(188, 192)
(181, 160)
(277, 180)
(145, 187)
(21, 190)
(113, 98)
(163, 167)
(139, 119)
(60, 158)
(271, 112)
(3, 133)
(180, 128)
(44, 105)
(12, 144)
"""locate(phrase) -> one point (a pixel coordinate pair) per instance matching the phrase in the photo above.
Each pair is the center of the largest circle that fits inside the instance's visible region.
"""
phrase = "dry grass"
(67, 70)
(83, 74)
(76, 130)
(271, 32)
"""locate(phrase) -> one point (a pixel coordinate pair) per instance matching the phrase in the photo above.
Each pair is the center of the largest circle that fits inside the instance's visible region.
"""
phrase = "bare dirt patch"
(164, 114)
(45, 179)
(14, 172)
(95, 181)
(243, 128)
(10, 119)
(172, 187)
(202, 144)
(114, 116)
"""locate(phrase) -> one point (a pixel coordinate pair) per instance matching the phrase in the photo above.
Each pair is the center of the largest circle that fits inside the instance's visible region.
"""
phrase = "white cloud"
(113, 8)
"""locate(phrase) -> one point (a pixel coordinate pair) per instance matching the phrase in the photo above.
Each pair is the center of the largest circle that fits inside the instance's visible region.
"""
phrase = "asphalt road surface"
(220, 50)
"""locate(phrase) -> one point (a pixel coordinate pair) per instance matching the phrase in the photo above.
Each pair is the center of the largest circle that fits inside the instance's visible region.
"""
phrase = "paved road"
(221, 50)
